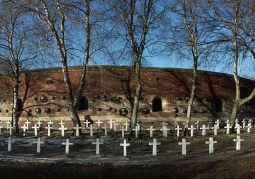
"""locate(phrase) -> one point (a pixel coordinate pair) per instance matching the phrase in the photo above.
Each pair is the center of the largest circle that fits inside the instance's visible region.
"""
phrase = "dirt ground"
(82, 162)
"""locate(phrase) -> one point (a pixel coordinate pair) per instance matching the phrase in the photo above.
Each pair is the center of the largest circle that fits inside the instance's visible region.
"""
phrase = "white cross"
(217, 122)
(86, 122)
(77, 128)
(38, 142)
(61, 123)
(124, 145)
(184, 146)
(50, 122)
(238, 141)
(105, 130)
(27, 124)
(24, 127)
(35, 128)
(91, 129)
(1, 126)
(192, 128)
(236, 122)
(228, 127)
(244, 123)
(115, 126)
(227, 121)
(208, 124)
(49, 128)
(151, 130)
(98, 123)
(178, 130)
(136, 131)
(211, 142)
(9, 144)
(97, 145)
(197, 123)
(111, 122)
(126, 125)
(164, 124)
(165, 129)
(238, 128)
(63, 129)
(39, 123)
(215, 129)
(203, 129)
(8, 124)
(154, 146)
(11, 129)
(122, 131)
(249, 128)
(67, 144)
(175, 123)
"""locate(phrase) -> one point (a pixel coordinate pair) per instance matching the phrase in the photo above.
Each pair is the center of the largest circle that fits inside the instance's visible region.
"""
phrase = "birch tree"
(69, 24)
(232, 15)
(16, 51)
(135, 28)
(191, 39)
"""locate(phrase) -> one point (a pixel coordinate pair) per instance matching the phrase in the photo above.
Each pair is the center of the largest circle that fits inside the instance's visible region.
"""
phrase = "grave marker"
(175, 124)
(111, 122)
(249, 128)
(67, 144)
(11, 129)
(62, 129)
(61, 123)
(39, 123)
(178, 130)
(238, 128)
(215, 129)
(151, 130)
(1, 126)
(99, 123)
(24, 127)
(27, 124)
(115, 126)
(86, 122)
(9, 143)
(197, 123)
(124, 145)
(91, 129)
(244, 123)
(154, 146)
(236, 122)
(136, 131)
(8, 123)
(97, 143)
(203, 128)
(208, 124)
(38, 142)
(228, 127)
(211, 143)
(49, 128)
(217, 122)
(105, 130)
(165, 129)
(126, 125)
(192, 128)
(122, 131)
(77, 128)
(36, 129)
(238, 141)
(184, 145)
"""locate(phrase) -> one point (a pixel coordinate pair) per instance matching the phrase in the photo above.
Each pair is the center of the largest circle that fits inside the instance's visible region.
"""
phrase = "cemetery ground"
(23, 161)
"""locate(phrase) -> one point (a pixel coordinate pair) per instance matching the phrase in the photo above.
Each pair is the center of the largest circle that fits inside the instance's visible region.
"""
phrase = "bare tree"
(69, 25)
(191, 39)
(233, 14)
(16, 51)
(135, 28)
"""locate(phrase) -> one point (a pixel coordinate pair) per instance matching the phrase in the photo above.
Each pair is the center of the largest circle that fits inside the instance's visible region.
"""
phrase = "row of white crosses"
(204, 127)
(211, 143)
(154, 144)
